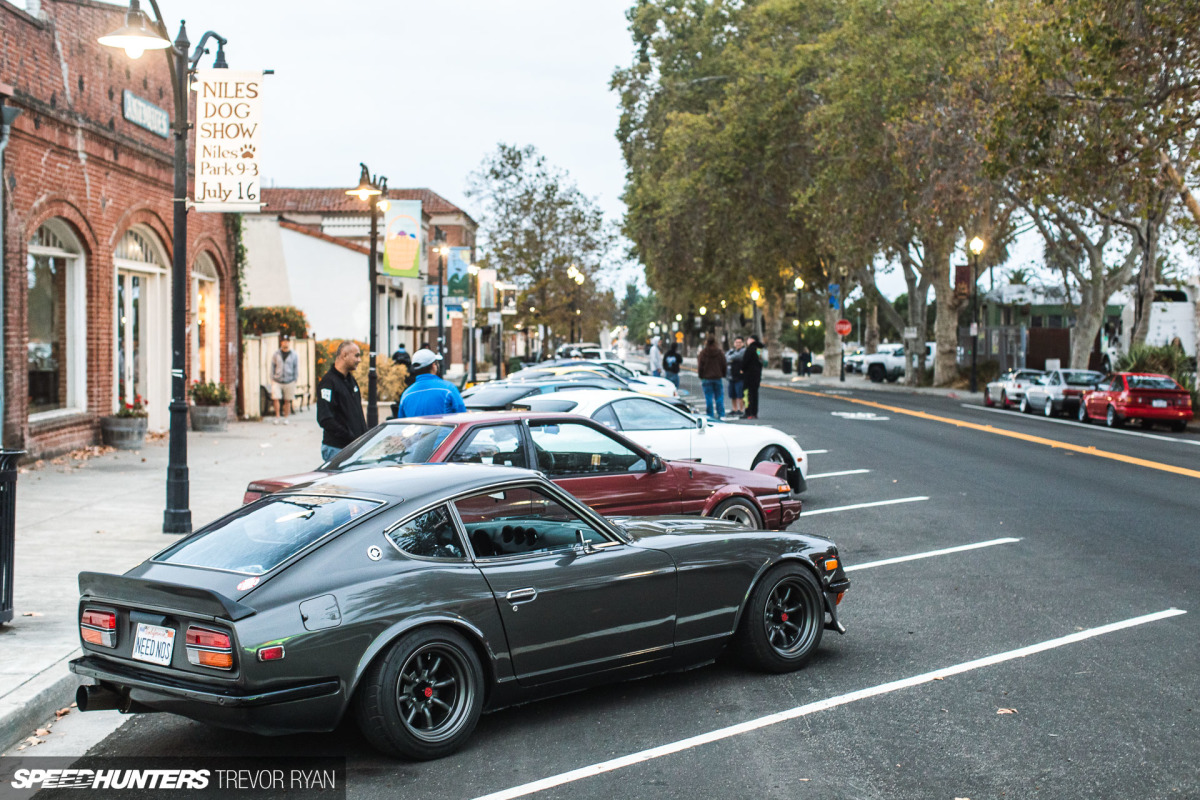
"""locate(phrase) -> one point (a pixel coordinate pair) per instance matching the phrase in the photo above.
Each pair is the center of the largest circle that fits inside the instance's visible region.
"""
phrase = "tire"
(783, 621)
(1025, 409)
(895, 377)
(1112, 419)
(1004, 398)
(987, 397)
(876, 373)
(399, 703)
(1179, 426)
(1081, 414)
(1048, 409)
(741, 511)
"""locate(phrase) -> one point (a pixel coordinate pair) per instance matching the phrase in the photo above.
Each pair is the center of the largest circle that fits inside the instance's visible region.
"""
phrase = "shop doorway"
(141, 328)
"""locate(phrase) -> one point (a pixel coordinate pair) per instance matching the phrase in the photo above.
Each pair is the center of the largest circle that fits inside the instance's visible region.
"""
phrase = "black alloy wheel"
(783, 622)
(423, 699)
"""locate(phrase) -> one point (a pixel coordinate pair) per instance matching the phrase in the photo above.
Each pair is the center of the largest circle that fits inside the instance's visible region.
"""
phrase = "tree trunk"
(945, 327)
(1146, 280)
(833, 342)
(773, 330)
(871, 345)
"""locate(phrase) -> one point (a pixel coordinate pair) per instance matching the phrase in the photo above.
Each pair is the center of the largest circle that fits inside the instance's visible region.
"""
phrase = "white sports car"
(675, 435)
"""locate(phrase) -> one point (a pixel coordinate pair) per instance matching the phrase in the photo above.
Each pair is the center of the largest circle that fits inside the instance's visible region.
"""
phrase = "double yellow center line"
(1025, 437)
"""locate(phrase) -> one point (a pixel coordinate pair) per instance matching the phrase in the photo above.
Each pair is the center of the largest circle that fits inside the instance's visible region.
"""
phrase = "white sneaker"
(275, 421)
(285, 421)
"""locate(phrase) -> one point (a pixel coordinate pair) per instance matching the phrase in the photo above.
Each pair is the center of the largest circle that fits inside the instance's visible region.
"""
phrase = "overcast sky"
(423, 91)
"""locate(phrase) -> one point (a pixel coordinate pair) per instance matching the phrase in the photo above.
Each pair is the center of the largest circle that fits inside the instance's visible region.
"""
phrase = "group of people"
(741, 365)
(339, 400)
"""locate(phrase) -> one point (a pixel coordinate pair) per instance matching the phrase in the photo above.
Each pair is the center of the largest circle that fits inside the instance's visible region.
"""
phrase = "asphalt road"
(1104, 535)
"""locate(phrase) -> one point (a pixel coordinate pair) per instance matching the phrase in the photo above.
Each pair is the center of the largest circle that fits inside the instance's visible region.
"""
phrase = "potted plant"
(209, 411)
(126, 430)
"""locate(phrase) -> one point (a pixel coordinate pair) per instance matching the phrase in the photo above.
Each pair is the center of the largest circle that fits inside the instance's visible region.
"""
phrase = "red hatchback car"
(601, 467)
(1143, 396)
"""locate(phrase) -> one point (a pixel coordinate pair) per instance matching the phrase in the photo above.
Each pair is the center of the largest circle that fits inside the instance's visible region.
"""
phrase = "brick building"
(86, 218)
(308, 248)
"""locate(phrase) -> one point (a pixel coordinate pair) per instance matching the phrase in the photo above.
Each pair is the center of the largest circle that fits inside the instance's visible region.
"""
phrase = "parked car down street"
(1059, 391)
(1145, 397)
(601, 467)
(391, 596)
(1009, 388)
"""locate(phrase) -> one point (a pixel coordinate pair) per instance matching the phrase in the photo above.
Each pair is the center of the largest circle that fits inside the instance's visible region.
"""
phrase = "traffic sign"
(843, 327)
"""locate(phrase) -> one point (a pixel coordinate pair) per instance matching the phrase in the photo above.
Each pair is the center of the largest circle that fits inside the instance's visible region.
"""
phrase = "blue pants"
(713, 394)
(328, 451)
(673, 377)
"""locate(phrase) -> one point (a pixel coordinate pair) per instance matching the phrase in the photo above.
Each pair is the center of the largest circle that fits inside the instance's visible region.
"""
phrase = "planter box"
(123, 433)
(207, 419)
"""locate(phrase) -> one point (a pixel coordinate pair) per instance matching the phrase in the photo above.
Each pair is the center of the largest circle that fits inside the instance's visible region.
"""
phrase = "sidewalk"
(105, 514)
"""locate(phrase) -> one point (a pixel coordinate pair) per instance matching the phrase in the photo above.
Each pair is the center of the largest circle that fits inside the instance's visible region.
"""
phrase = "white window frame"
(212, 314)
(157, 299)
(75, 305)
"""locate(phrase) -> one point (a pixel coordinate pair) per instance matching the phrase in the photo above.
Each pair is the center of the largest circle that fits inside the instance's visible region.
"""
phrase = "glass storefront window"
(54, 294)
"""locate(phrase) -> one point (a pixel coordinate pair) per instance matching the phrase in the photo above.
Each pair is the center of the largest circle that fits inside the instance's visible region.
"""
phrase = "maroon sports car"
(601, 467)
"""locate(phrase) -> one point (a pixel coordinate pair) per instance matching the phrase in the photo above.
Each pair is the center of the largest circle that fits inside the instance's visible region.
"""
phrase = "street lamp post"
(368, 189)
(135, 37)
(976, 249)
(473, 308)
(439, 247)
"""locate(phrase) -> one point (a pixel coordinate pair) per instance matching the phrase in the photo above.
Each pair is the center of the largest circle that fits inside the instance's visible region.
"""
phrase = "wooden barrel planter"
(208, 419)
(123, 433)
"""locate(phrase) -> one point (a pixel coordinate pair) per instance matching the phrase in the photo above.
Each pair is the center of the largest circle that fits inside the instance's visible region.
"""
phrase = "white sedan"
(675, 435)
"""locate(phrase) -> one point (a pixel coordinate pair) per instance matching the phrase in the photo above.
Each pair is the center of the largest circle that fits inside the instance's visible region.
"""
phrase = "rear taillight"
(98, 627)
(209, 648)
(273, 653)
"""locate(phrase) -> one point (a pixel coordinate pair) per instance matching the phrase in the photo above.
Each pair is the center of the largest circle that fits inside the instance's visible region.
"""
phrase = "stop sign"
(843, 327)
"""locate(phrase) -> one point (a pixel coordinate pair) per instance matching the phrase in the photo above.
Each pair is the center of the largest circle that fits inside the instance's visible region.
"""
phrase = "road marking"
(1025, 437)
(816, 452)
(869, 416)
(836, 474)
(821, 705)
(1095, 427)
(930, 554)
(807, 513)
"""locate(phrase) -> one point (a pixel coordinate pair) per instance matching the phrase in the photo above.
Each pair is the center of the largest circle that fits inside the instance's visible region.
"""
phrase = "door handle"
(521, 595)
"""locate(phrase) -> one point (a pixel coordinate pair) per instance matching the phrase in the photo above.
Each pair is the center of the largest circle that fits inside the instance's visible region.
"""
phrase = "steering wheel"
(546, 460)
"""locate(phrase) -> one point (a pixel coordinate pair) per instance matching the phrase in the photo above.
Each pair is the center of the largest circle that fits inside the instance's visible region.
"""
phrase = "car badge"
(374, 553)
(249, 583)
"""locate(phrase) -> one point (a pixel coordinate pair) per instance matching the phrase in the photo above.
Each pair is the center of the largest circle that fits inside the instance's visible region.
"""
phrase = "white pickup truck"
(888, 362)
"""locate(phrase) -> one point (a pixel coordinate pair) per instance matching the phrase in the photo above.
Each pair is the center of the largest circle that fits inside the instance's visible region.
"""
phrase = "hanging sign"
(228, 133)
(402, 239)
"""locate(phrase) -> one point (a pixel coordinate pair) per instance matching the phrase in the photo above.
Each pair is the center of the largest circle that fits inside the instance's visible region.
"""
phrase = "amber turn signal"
(831, 564)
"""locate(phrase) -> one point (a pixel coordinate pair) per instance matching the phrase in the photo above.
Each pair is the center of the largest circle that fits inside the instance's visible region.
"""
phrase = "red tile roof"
(325, 237)
(337, 201)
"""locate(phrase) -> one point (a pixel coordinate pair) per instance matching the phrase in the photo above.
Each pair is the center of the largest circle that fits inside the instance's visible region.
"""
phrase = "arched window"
(142, 332)
(56, 320)
(206, 320)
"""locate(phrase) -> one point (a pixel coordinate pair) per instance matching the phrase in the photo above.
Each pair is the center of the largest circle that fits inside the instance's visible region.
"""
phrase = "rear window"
(492, 396)
(555, 404)
(262, 536)
(411, 443)
(1082, 378)
(1151, 382)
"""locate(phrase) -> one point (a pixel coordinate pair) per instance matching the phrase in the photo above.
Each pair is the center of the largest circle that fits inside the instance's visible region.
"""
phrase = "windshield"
(413, 443)
(1151, 382)
(263, 535)
(1082, 378)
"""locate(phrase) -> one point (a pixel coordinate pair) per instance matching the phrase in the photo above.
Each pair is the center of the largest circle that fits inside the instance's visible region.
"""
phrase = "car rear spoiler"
(783, 472)
(141, 592)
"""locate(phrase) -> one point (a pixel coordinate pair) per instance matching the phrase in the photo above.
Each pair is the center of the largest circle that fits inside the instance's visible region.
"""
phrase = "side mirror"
(582, 541)
(701, 423)
(656, 465)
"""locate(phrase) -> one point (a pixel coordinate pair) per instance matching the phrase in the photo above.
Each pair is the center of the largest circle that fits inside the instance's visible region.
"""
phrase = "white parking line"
(816, 452)
(807, 513)
(931, 554)
(821, 705)
(836, 474)
(1094, 426)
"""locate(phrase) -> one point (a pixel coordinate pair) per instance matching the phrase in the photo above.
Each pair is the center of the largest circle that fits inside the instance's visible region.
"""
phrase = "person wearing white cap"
(429, 394)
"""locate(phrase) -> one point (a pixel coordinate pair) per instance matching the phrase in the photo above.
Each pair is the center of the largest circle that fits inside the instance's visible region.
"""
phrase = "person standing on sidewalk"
(733, 358)
(429, 394)
(401, 356)
(710, 366)
(285, 368)
(672, 361)
(656, 359)
(339, 402)
(752, 376)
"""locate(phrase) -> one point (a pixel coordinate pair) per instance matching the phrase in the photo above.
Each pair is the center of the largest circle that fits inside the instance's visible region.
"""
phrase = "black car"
(415, 597)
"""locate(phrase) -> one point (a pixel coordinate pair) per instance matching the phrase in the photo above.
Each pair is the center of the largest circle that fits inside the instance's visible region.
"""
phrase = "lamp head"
(137, 35)
(977, 245)
(365, 189)
(703, 310)
(755, 294)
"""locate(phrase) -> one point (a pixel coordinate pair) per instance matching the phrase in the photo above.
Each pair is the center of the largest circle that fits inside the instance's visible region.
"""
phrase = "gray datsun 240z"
(415, 597)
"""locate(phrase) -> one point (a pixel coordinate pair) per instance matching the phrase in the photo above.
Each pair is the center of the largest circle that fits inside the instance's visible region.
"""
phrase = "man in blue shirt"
(429, 394)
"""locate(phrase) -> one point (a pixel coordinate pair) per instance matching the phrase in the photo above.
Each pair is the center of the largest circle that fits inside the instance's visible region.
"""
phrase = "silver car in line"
(1059, 391)
(1007, 390)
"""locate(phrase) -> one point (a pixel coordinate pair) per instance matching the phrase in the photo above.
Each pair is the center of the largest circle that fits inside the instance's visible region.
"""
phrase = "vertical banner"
(487, 288)
(228, 133)
(508, 297)
(458, 283)
(402, 239)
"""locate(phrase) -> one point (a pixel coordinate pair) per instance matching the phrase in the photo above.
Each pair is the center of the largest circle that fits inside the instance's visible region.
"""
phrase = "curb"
(35, 701)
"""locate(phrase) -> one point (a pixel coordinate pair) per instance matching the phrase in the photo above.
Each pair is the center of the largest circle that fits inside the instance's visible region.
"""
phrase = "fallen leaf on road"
(74, 705)
(42, 732)
(62, 712)
(939, 679)
(1006, 711)
(32, 741)
(32, 614)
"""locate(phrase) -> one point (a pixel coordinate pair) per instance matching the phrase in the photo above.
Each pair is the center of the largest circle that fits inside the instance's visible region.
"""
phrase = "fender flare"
(768, 565)
(727, 492)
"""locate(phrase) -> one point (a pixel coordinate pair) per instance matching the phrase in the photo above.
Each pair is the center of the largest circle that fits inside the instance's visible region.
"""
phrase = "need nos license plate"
(1158, 403)
(153, 644)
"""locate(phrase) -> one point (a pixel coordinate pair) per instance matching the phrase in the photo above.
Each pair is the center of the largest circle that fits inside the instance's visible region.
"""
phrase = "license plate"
(1159, 403)
(153, 644)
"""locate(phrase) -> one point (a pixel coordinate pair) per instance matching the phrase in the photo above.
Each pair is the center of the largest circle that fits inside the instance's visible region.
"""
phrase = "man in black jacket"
(339, 402)
(752, 376)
